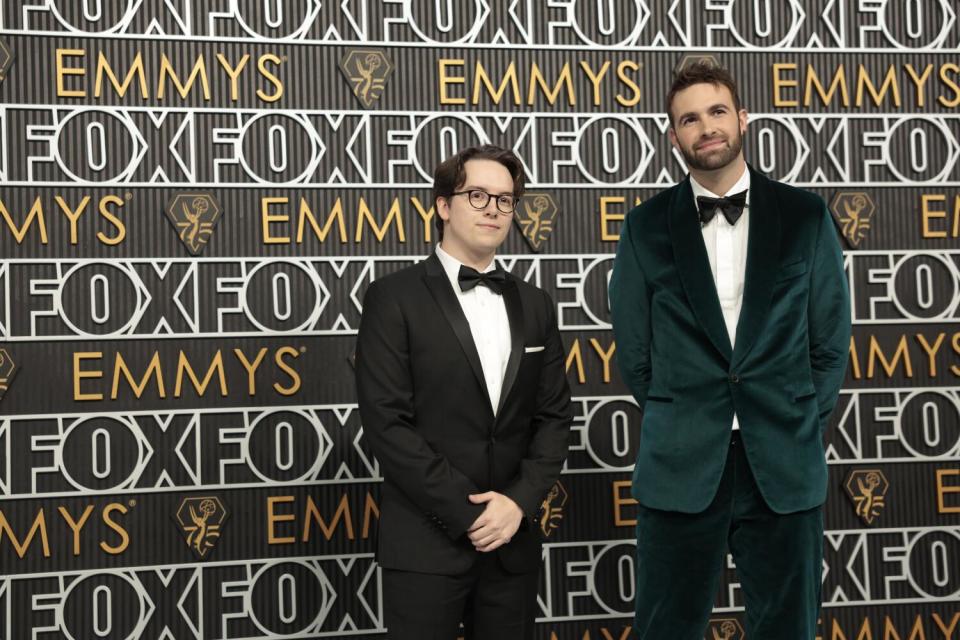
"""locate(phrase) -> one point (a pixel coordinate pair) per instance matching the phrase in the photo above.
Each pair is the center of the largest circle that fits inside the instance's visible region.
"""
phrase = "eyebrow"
(471, 187)
(710, 108)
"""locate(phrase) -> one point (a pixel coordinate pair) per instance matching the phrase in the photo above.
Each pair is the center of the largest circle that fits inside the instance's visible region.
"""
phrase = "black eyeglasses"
(506, 204)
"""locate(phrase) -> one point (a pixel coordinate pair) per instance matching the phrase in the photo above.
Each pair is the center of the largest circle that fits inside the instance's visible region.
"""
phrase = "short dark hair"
(451, 174)
(701, 72)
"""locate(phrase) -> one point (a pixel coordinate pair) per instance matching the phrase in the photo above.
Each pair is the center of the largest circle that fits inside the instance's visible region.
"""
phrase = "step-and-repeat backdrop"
(196, 194)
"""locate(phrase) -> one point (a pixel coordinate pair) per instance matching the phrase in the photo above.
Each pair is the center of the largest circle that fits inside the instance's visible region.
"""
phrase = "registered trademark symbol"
(284, 58)
(132, 503)
(128, 195)
(303, 349)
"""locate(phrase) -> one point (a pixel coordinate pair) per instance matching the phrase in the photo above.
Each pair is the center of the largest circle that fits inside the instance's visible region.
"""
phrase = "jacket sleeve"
(629, 296)
(548, 448)
(385, 394)
(828, 317)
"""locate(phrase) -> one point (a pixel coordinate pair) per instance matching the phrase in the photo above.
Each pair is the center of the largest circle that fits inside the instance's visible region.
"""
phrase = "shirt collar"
(742, 184)
(451, 266)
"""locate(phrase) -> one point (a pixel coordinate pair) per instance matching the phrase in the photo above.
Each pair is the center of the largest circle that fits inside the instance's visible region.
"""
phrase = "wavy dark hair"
(701, 72)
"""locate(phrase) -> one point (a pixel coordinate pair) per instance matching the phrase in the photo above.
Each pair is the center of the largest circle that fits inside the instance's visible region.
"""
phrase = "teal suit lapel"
(763, 257)
(690, 256)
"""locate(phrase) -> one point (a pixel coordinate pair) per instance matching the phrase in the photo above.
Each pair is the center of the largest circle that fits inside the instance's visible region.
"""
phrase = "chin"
(490, 244)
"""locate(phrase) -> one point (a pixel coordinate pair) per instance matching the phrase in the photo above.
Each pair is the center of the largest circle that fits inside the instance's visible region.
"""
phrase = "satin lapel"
(511, 299)
(690, 256)
(763, 256)
(439, 286)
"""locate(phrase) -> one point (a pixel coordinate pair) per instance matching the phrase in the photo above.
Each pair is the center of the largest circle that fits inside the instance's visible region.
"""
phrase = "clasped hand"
(498, 522)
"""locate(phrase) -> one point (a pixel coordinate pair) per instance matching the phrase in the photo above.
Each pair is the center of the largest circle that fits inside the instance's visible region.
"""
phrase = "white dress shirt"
(487, 316)
(727, 251)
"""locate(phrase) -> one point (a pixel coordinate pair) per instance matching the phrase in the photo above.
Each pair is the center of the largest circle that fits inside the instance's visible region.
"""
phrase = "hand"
(498, 522)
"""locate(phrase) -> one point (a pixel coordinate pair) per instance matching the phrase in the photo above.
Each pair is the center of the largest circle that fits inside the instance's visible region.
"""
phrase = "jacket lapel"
(763, 256)
(439, 286)
(693, 264)
(511, 299)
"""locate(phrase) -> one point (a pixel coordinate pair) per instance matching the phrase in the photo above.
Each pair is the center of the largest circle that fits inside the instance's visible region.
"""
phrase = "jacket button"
(734, 378)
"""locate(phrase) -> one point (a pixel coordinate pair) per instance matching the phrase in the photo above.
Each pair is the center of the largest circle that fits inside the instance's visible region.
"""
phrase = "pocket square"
(532, 349)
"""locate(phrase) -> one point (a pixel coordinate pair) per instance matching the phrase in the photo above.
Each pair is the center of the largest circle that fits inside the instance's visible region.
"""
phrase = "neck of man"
(473, 259)
(720, 180)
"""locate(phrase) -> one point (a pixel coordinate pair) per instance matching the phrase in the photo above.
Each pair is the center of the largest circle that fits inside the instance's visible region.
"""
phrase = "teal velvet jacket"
(784, 375)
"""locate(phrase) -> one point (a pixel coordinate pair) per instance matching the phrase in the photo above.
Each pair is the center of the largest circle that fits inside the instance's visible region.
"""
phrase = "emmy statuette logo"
(696, 58)
(201, 521)
(367, 71)
(867, 489)
(194, 216)
(8, 368)
(726, 629)
(6, 60)
(551, 510)
(853, 212)
(536, 217)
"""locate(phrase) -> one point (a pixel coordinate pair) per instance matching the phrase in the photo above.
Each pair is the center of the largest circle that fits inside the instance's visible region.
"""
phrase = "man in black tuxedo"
(464, 398)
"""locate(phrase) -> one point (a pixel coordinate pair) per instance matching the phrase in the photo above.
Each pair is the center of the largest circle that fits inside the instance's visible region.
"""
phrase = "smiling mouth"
(710, 144)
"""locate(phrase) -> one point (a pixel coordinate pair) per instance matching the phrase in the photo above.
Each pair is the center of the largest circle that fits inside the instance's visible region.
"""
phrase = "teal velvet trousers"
(680, 557)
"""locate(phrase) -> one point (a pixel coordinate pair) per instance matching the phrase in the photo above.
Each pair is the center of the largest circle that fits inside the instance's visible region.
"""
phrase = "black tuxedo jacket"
(427, 414)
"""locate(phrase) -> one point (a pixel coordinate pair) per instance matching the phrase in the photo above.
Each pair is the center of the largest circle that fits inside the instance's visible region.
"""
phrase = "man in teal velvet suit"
(732, 321)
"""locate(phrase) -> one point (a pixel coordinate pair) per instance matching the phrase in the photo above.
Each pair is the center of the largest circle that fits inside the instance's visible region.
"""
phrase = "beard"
(715, 158)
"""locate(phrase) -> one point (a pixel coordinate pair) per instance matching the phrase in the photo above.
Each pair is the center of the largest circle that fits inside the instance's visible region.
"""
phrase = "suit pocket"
(792, 270)
(656, 397)
(658, 409)
(803, 390)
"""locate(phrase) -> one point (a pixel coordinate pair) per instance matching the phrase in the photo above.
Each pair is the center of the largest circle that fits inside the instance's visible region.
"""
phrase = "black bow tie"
(469, 278)
(731, 206)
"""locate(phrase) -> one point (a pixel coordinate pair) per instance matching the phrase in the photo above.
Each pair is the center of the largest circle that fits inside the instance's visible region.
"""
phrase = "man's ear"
(442, 207)
(672, 133)
(742, 116)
